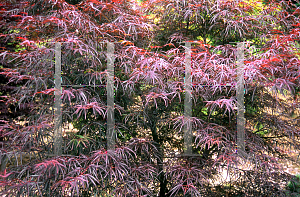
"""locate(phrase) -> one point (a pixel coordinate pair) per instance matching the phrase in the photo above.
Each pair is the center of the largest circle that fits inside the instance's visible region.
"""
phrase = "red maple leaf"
(117, 1)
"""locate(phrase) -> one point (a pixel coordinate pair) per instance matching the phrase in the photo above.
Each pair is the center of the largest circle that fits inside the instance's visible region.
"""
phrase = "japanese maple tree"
(149, 91)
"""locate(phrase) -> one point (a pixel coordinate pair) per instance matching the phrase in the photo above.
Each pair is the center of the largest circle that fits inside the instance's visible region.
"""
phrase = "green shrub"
(294, 185)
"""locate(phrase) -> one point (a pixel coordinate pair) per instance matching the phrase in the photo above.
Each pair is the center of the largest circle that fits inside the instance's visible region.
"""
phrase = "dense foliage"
(149, 92)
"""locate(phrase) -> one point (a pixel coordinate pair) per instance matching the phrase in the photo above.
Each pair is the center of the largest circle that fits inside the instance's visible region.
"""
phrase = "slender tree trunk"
(187, 26)
(161, 177)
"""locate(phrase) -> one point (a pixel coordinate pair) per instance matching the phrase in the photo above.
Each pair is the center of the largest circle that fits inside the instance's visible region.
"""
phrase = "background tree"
(149, 81)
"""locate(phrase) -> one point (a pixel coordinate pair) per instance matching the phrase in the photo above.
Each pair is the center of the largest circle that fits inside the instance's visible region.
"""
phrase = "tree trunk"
(161, 177)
